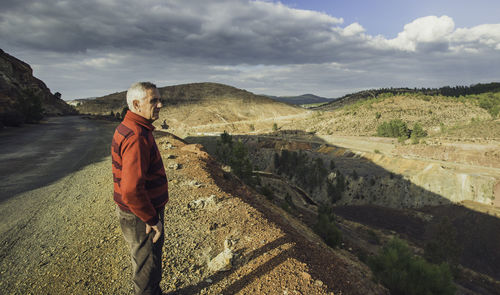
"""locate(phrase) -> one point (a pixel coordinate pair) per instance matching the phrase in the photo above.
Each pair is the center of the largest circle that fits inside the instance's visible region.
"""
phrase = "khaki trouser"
(146, 255)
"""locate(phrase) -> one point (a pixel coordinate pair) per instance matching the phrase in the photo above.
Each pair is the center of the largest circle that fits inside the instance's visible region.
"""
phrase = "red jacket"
(139, 177)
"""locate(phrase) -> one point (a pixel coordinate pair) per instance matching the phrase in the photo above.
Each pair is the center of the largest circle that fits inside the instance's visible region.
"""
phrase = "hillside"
(457, 91)
(436, 114)
(174, 95)
(197, 107)
(24, 98)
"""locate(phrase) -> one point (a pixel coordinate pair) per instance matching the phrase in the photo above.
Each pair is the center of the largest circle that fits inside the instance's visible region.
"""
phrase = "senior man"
(140, 186)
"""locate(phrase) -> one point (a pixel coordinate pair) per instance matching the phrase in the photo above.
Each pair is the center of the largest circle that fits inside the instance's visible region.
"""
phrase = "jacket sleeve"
(135, 163)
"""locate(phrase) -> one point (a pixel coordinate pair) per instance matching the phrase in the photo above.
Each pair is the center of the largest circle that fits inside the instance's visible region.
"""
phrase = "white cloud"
(474, 38)
(353, 29)
(429, 29)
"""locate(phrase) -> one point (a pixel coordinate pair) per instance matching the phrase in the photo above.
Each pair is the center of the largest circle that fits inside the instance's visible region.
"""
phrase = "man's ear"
(135, 103)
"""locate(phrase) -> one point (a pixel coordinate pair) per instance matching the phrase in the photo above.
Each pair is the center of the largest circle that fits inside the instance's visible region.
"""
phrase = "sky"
(328, 48)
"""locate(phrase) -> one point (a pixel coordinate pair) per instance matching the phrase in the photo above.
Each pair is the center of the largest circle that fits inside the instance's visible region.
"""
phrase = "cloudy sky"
(329, 48)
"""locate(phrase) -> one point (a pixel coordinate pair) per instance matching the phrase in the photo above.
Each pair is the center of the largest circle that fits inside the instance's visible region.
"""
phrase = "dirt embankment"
(64, 238)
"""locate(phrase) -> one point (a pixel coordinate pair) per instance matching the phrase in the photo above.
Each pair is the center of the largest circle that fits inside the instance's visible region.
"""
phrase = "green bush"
(235, 155)
(491, 103)
(418, 131)
(340, 182)
(325, 227)
(267, 192)
(240, 162)
(393, 128)
(224, 148)
(332, 192)
(403, 273)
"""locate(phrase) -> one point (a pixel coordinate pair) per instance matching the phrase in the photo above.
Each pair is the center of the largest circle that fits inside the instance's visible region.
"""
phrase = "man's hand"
(157, 228)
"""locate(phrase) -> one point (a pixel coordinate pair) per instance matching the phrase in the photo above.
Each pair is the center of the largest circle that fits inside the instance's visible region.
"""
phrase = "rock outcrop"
(24, 98)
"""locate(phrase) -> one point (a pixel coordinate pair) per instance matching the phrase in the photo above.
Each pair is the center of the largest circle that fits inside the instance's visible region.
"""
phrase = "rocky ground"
(64, 238)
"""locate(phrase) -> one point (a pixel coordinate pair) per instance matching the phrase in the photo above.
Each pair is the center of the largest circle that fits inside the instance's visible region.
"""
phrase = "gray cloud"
(89, 48)
(220, 31)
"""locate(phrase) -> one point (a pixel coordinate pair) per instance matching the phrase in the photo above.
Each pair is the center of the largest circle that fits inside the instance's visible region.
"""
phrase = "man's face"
(149, 107)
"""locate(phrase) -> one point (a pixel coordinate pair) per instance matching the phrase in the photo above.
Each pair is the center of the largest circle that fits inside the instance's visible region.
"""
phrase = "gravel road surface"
(36, 155)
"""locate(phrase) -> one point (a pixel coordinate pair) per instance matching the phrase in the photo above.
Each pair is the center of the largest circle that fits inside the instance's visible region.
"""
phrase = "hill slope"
(203, 106)
(457, 91)
(24, 97)
(436, 114)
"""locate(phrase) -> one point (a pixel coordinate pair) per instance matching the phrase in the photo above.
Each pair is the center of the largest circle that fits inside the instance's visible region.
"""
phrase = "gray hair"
(138, 92)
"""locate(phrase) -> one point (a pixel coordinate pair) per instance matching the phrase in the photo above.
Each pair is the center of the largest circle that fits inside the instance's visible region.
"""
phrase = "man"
(141, 187)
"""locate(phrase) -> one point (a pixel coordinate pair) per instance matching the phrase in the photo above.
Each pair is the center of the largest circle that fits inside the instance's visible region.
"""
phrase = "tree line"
(454, 91)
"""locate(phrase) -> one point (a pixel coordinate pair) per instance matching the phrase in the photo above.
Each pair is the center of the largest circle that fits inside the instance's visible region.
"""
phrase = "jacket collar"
(130, 116)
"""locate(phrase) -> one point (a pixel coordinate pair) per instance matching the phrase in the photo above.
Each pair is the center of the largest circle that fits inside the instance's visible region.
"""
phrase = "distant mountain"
(24, 98)
(301, 99)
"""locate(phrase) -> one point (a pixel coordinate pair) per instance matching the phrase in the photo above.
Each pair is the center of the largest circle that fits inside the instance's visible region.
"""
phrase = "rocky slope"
(19, 89)
(65, 239)
(385, 192)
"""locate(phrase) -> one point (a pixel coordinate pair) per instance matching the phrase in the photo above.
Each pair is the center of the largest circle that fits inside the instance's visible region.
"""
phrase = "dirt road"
(36, 155)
